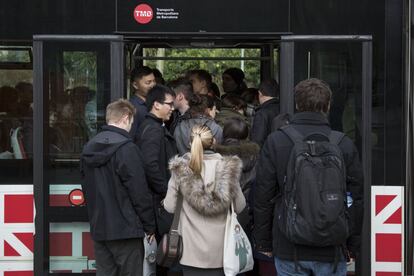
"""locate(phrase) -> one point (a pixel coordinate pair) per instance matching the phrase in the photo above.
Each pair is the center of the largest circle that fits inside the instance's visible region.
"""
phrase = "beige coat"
(205, 206)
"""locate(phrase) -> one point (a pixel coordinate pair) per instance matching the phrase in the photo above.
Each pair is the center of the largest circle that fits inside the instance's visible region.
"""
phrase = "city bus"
(62, 62)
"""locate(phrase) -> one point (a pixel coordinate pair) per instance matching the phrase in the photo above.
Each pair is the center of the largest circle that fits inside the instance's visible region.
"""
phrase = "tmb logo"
(143, 13)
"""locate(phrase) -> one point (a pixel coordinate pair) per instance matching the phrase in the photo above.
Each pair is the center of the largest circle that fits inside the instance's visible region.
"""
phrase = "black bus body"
(329, 40)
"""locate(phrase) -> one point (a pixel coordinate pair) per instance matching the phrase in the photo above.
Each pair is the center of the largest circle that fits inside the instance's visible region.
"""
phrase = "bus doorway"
(344, 62)
(106, 62)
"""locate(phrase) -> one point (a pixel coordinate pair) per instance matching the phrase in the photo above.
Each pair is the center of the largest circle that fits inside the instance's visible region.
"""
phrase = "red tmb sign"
(143, 13)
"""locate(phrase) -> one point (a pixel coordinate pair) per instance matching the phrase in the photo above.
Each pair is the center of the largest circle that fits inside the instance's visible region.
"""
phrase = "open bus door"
(75, 77)
(345, 63)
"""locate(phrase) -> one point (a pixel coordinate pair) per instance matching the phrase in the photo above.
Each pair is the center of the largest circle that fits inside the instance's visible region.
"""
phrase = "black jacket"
(158, 147)
(140, 111)
(262, 121)
(119, 203)
(271, 170)
(248, 152)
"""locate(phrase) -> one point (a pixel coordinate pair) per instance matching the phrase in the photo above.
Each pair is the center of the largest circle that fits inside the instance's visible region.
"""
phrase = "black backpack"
(313, 207)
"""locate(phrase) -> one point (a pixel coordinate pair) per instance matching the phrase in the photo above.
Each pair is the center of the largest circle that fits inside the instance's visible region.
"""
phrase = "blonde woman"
(209, 183)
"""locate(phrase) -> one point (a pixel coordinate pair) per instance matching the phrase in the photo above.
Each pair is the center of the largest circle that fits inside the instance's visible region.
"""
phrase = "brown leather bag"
(170, 249)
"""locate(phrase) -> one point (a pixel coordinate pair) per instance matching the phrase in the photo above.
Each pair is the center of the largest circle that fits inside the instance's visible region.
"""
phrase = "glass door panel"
(345, 63)
(77, 80)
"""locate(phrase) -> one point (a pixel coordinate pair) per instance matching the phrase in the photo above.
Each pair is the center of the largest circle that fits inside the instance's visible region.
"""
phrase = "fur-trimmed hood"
(211, 198)
(247, 151)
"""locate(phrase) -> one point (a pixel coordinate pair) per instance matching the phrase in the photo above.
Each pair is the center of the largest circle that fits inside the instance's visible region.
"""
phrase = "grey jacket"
(183, 130)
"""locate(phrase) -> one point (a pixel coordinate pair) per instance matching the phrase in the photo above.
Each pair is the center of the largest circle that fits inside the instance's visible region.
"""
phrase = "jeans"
(287, 268)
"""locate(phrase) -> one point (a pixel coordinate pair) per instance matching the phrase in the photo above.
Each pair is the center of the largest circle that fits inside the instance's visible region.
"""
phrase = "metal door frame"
(287, 59)
(40, 188)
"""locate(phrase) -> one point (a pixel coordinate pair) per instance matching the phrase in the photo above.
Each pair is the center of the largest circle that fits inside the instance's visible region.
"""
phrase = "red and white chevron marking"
(71, 247)
(387, 231)
(16, 230)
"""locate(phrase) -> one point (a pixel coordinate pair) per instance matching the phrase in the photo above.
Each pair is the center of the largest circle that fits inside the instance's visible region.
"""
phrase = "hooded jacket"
(248, 152)
(118, 200)
(206, 202)
(226, 113)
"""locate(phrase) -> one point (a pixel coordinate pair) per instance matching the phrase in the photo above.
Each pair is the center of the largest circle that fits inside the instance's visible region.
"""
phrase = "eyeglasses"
(171, 104)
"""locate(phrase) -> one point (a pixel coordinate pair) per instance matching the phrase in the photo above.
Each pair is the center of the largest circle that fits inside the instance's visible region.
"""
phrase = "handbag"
(238, 254)
(170, 248)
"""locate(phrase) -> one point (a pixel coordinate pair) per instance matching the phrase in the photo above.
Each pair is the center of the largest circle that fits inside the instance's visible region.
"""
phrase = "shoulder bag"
(170, 249)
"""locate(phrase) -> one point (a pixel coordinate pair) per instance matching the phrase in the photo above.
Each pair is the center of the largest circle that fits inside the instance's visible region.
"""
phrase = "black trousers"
(195, 271)
(119, 257)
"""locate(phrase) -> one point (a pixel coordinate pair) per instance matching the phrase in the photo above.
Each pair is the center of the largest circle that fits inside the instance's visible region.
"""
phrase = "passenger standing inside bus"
(209, 183)
(233, 82)
(232, 106)
(119, 203)
(158, 147)
(142, 80)
(202, 112)
(268, 109)
(251, 97)
(159, 79)
(183, 93)
(235, 142)
(201, 81)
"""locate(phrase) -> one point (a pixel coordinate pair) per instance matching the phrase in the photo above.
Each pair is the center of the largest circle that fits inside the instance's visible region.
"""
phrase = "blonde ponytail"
(196, 159)
(201, 139)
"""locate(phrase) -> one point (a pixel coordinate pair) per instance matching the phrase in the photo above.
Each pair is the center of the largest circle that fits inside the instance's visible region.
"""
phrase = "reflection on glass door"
(339, 65)
(78, 92)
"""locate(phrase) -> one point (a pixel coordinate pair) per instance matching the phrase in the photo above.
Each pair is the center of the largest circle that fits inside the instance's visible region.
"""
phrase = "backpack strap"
(321, 134)
(292, 133)
(335, 137)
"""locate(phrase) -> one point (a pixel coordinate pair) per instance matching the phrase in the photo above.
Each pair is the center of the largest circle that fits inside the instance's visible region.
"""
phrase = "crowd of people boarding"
(214, 149)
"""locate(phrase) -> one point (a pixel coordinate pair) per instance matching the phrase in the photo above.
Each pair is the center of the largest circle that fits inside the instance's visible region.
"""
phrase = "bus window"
(73, 110)
(16, 114)
(20, 56)
(77, 99)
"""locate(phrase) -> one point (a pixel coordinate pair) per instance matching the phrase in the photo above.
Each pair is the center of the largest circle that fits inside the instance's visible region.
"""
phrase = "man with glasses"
(158, 146)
